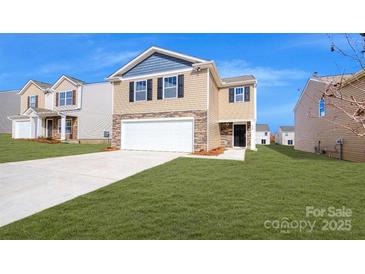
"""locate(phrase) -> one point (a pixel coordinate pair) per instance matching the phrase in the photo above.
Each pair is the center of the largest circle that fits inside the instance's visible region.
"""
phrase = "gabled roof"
(41, 85)
(147, 53)
(6, 91)
(287, 128)
(73, 80)
(238, 79)
(262, 127)
(197, 64)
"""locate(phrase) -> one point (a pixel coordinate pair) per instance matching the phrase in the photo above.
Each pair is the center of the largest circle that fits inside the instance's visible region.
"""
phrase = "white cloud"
(266, 76)
(90, 63)
(102, 58)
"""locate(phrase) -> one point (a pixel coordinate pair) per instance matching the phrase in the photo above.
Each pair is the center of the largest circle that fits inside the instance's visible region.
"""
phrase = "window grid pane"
(170, 87)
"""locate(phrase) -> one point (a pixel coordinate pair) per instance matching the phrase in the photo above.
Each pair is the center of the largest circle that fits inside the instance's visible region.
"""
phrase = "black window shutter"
(159, 88)
(28, 101)
(131, 91)
(57, 99)
(231, 95)
(247, 94)
(180, 91)
(149, 89)
(36, 101)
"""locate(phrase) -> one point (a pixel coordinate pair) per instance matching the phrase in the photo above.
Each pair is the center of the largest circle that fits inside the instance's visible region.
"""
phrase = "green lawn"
(210, 199)
(19, 150)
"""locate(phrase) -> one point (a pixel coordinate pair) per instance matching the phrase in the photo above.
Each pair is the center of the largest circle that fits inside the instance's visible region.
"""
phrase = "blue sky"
(281, 62)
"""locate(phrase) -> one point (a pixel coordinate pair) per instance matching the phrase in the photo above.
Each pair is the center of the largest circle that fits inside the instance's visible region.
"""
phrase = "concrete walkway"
(229, 154)
(31, 186)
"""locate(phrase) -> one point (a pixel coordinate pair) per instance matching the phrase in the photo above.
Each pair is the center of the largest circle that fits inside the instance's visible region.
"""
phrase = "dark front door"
(239, 139)
(49, 128)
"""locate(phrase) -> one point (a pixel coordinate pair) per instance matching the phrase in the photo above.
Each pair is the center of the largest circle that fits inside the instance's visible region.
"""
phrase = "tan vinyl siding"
(195, 96)
(308, 131)
(214, 139)
(65, 85)
(31, 90)
(240, 110)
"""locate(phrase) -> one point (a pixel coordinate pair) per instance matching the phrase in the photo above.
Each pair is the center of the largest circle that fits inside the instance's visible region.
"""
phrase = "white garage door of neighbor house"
(158, 135)
(22, 129)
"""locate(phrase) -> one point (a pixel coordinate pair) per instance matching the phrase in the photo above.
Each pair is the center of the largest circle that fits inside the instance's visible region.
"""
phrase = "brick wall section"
(116, 130)
(248, 134)
(200, 125)
(226, 134)
(226, 131)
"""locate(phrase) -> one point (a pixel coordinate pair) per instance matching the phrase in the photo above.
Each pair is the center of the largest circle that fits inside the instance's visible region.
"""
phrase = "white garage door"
(158, 135)
(22, 129)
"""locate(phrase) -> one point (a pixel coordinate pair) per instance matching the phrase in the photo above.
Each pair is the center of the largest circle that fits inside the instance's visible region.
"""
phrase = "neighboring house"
(285, 136)
(318, 125)
(9, 104)
(69, 109)
(167, 101)
(262, 134)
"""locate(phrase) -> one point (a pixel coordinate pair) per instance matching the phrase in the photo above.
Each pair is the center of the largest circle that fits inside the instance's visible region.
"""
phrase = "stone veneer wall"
(200, 125)
(226, 130)
(226, 134)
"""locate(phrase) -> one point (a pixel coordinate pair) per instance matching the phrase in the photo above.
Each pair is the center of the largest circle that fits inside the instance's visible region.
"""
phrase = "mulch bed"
(110, 149)
(44, 141)
(212, 152)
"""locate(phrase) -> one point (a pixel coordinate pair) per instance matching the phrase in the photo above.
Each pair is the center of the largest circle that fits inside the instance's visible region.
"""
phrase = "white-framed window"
(140, 90)
(32, 101)
(68, 126)
(238, 94)
(263, 141)
(265, 133)
(322, 107)
(66, 98)
(290, 142)
(170, 87)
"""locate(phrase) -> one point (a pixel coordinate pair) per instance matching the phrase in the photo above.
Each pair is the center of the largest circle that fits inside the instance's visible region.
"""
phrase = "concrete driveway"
(31, 186)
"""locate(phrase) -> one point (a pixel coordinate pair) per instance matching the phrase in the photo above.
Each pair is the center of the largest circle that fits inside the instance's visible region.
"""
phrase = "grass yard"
(210, 199)
(20, 150)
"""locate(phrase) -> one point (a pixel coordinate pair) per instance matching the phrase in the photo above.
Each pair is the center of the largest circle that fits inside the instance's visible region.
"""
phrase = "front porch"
(237, 134)
(62, 128)
(44, 123)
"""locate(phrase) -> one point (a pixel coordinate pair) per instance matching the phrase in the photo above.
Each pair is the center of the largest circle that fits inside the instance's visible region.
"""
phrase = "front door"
(239, 138)
(49, 128)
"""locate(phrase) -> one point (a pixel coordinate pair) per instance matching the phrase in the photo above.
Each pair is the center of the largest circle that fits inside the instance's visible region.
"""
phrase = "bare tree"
(348, 104)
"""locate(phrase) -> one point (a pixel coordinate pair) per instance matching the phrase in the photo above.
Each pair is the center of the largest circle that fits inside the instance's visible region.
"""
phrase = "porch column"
(63, 128)
(253, 135)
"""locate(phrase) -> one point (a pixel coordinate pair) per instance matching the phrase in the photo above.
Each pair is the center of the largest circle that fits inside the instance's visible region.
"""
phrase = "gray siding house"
(9, 105)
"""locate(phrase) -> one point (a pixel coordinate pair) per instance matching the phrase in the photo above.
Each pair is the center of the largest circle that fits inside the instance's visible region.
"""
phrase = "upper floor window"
(322, 107)
(170, 87)
(66, 98)
(141, 90)
(33, 101)
(238, 94)
(265, 133)
(286, 134)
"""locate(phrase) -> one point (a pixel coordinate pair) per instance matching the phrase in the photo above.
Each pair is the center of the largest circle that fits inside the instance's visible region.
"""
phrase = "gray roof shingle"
(42, 85)
(238, 78)
(287, 128)
(77, 81)
(262, 127)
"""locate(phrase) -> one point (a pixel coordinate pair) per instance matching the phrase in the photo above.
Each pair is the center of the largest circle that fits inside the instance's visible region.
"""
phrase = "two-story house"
(167, 101)
(262, 134)
(285, 136)
(9, 104)
(69, 109)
